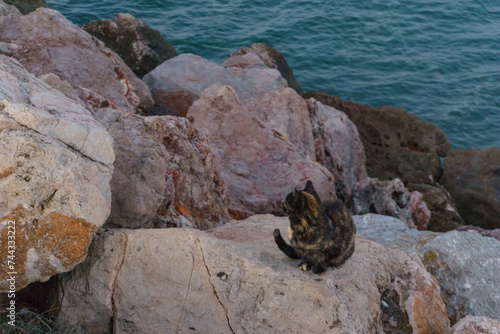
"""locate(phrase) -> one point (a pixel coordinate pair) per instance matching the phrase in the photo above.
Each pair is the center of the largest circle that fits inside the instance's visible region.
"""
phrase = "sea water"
(438, 59)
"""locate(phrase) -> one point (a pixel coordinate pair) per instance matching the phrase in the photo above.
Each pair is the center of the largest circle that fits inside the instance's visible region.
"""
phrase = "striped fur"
(321, 236)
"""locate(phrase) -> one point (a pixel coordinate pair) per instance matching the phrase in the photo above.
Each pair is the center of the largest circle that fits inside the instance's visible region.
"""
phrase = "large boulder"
(46, 42)
(397, 144)
(141, 47)
(165, 174)
(180, 81)
(260, 165)
(235, 280)
(466, 264)
(246, 58)
(6, 9)
(286, 112)
(391, 198)
(55, 171)
(338, 148)
(473, 179)
(27, 6)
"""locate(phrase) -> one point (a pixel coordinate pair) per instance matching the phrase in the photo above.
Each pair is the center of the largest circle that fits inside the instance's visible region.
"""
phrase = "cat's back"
(341, 217)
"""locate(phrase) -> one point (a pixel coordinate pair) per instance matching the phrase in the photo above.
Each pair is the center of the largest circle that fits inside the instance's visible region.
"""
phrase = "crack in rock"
(115, 278)
(213, 287)
(186, 296)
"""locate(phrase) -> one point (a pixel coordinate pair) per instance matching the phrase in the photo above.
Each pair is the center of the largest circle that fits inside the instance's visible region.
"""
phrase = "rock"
(235, 280)
(6, 9)
(391, 198)
(165, 174)
(476, 325)
(259, 165)
(287, 114)
(485, 233)
(269, 56)
(473, 179)
(141, 47)
(397, 144)
(27, 6)
(466, 265)
(338, 148)
(55, 171)
(180, 81)
(49, 43)
(444, 215)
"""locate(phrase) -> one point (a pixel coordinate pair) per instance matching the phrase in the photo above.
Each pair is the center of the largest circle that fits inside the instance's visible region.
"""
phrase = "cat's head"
(299, 202)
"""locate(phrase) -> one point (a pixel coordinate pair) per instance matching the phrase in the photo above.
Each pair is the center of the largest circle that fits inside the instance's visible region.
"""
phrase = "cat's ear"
(309, 187)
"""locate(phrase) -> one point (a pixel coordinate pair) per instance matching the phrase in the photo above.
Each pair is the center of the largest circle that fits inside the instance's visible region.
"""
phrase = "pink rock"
(180, 81)
(260, 165)
(476, 325)
(49, 43)
(391, 198)
(338, 147)
(287, 114)
(165, 174)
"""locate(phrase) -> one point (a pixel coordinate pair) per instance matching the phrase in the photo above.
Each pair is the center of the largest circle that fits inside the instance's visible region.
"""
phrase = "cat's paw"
(304, 266)
(276, 233)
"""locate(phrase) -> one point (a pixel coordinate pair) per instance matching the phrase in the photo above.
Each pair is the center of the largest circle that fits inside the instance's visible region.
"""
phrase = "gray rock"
(466, 264)
(473, 180)
(180, 81)
(75, 56)
(235, 280)
(391, 198)
(141, 47)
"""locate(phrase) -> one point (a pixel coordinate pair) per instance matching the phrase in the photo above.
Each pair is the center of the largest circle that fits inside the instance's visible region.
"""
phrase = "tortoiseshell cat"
(322, 236)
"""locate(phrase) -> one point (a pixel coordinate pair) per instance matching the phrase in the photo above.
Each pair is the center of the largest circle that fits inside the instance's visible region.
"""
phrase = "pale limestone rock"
(54, 176)
(235, 280)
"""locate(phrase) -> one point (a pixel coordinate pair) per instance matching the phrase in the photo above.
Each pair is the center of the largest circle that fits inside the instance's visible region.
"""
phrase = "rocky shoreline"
(150, 203)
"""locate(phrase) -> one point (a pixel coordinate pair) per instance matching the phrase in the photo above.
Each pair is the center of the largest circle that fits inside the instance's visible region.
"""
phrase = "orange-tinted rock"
(165, 174)
(44, 245)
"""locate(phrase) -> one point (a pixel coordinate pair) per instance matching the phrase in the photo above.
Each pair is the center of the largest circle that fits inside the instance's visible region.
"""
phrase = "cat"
(321, 236)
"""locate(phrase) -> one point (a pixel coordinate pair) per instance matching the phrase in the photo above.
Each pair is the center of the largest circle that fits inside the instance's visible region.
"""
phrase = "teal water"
(438, 59)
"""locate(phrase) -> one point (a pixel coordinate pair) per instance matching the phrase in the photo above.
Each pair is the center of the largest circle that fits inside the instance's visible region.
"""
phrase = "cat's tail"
(284, 247)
